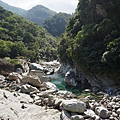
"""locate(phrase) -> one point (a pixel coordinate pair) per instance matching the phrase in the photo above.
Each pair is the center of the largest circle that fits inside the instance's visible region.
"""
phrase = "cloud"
(67, 6)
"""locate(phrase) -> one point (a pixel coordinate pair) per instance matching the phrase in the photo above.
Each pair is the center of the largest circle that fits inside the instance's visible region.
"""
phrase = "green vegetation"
(36, 14)
(20, 37)
(39, 13)
(91, 41)
(56, 25)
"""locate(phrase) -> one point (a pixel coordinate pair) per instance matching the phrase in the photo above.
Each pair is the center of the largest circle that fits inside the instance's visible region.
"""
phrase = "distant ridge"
(13, 9)
(37, 14)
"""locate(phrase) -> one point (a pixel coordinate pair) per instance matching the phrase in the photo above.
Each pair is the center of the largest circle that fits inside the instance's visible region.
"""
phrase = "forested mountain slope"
(20, 37)
(56, 25)
(54, 22)
(92, 38)
(39, 13)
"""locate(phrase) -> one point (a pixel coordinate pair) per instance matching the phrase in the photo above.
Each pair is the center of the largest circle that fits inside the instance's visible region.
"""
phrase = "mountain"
(56, 25)
(92, 40)
(36, 14)
(39, 13)
(13, 9)
(21, 37)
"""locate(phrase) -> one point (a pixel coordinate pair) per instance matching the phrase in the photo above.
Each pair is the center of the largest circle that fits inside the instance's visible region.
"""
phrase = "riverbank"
(32, 95)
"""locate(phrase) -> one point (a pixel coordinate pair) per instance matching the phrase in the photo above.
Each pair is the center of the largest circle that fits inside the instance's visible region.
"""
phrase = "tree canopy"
(20, 37)
(92, 38)
(56, 25)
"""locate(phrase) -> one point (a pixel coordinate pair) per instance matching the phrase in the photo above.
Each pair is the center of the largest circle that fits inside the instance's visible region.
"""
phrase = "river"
(58, 80)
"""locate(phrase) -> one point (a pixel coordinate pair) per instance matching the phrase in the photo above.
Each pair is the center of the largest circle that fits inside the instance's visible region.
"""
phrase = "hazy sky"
(67, 6)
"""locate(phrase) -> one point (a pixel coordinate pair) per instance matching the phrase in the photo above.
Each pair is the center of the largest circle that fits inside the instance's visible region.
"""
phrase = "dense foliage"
(92, 38)
(56, 25)
(20, 37)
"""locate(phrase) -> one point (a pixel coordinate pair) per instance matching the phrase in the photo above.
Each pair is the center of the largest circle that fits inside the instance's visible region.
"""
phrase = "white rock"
(46, 93)
(91, 113)
(58, 102)
(28, 88)
(14, 76)
(118, 111)
(35, 81)
(77, 117)
(65, 115)
(36, 73)
(111, 104)
(50, 85)
(102, 112)
(74, 106)
(2, 78)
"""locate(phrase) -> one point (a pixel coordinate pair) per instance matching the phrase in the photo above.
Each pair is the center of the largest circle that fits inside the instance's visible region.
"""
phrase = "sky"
(67, 6)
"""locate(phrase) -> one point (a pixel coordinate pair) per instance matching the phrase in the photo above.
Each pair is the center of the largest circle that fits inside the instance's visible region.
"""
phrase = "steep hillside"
(39, 13)
(13, 9)
(56, 25)
(92, 39)
(20, 37)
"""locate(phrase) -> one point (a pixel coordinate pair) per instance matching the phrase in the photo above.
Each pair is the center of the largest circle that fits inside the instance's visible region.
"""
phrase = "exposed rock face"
(100, 81)
(64, 68)
(86, 78)
(5, 67)
(70, 78)
(18, 107)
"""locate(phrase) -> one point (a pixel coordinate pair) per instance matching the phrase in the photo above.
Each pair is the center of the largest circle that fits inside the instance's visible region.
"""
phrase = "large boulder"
(74, 106)
(39, 74)
(36, 73)
(70, 78)
(33, 80)
(102, 112)
(6, 67)
(50, 85)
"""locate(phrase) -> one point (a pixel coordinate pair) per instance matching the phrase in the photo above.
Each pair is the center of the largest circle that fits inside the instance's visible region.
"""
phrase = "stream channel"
(58, 80)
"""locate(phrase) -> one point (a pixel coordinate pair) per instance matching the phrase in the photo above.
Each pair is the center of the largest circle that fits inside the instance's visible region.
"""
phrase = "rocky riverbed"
(30, 95)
